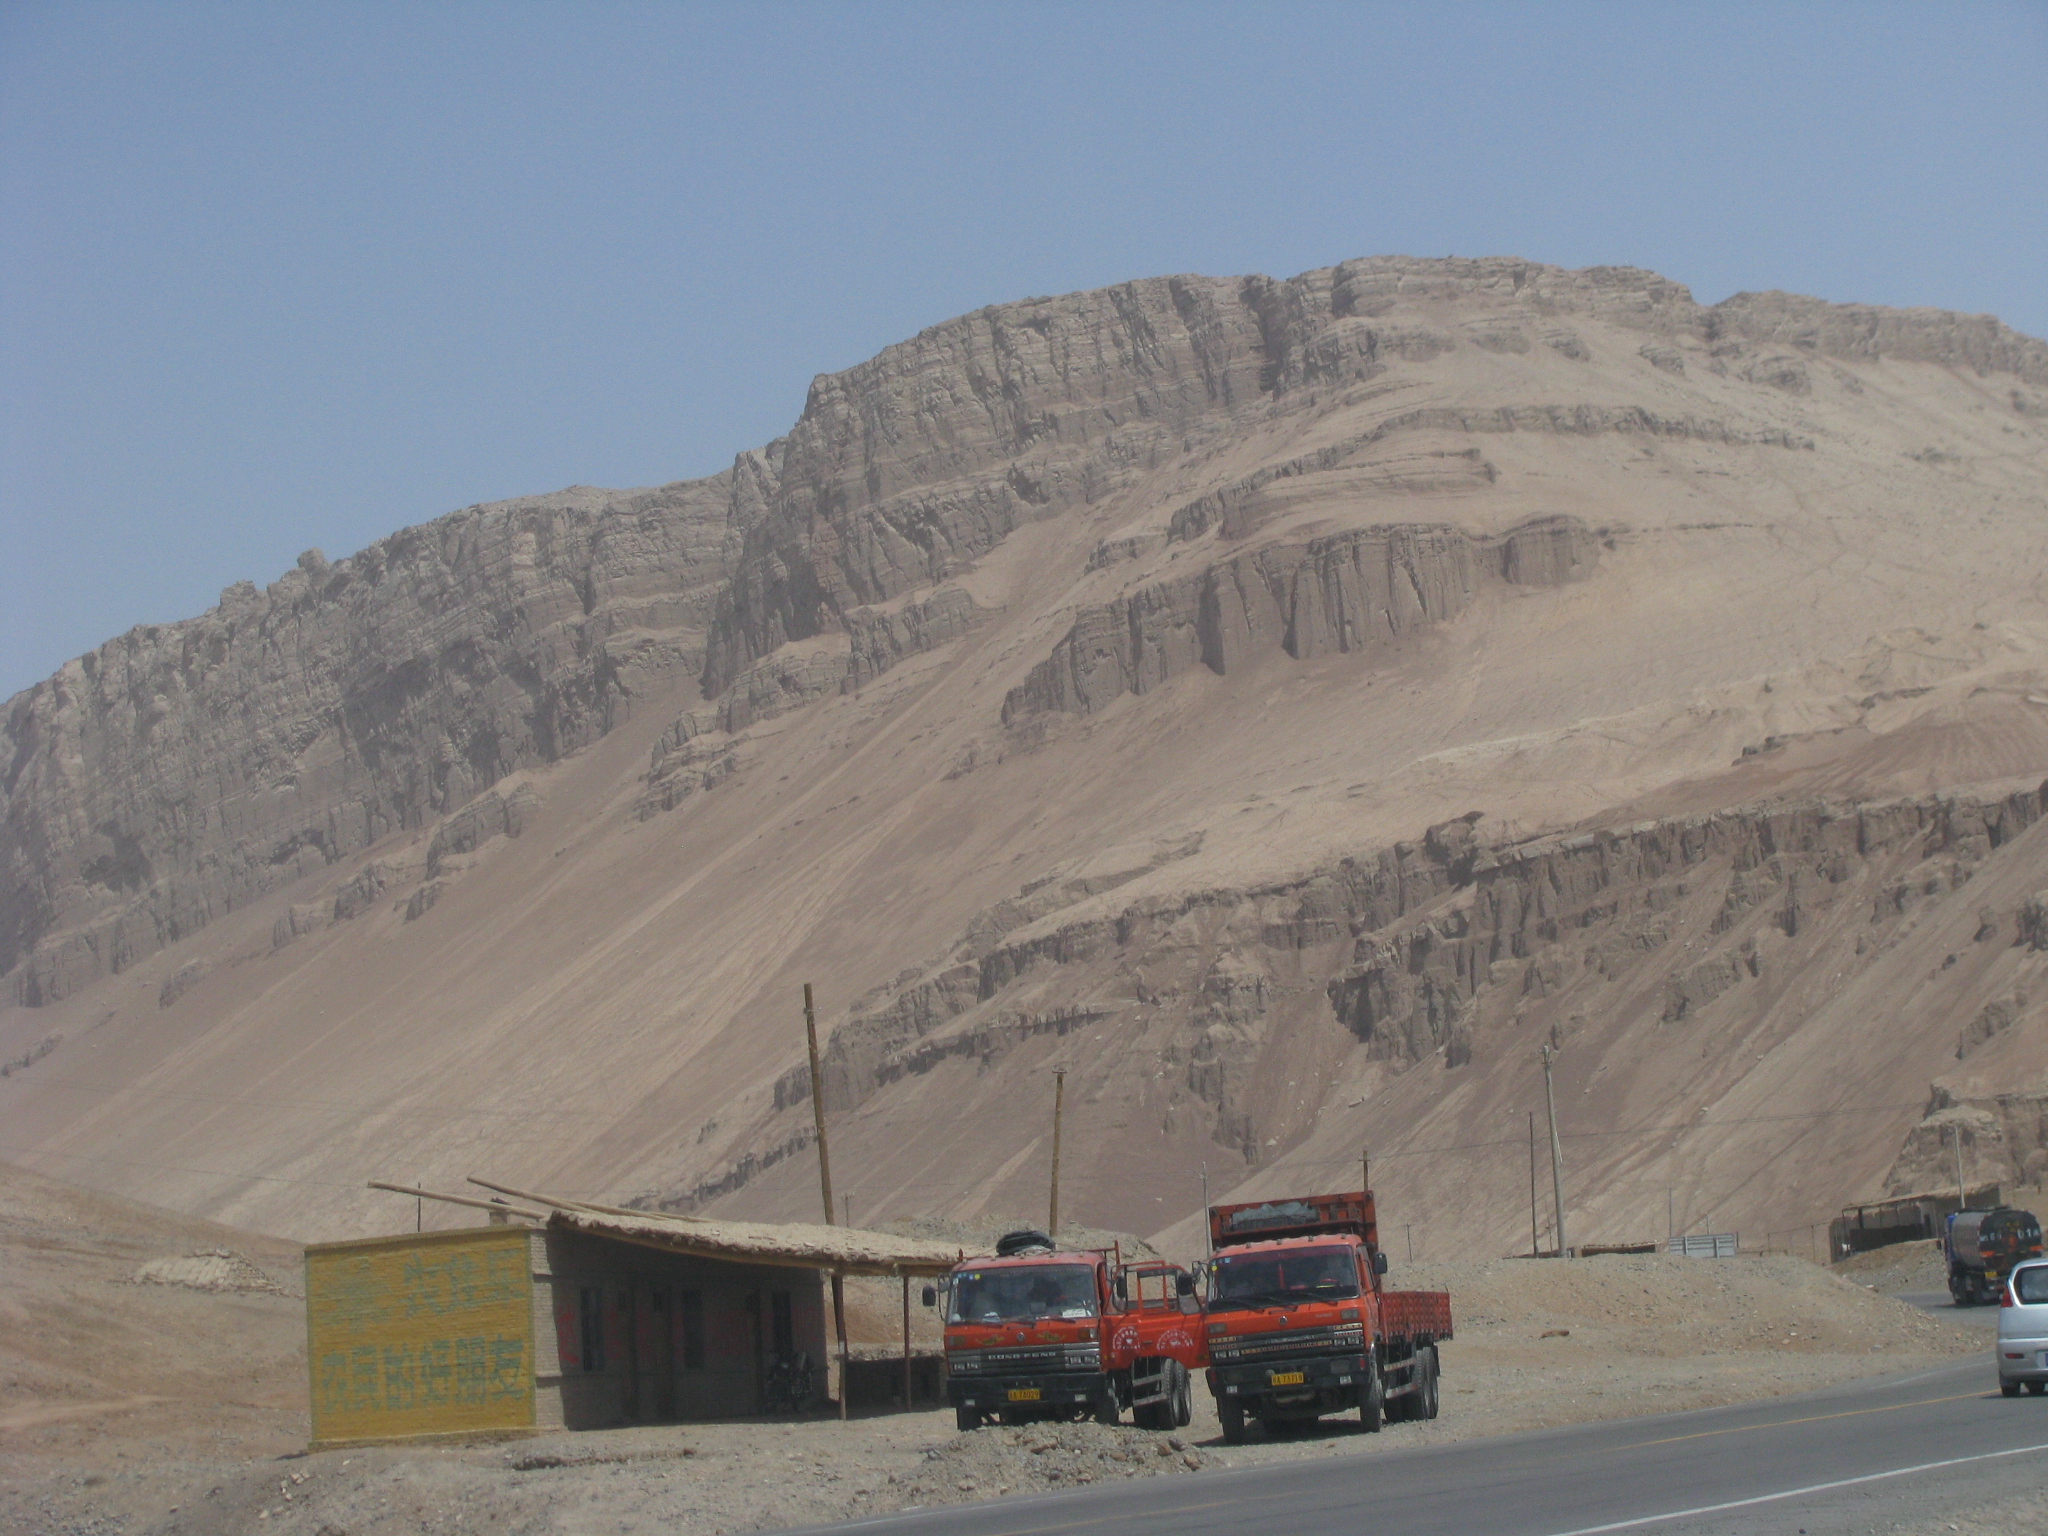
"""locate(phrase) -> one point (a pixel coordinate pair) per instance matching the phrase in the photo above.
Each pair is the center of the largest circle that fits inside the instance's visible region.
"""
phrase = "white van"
(2023, 1331)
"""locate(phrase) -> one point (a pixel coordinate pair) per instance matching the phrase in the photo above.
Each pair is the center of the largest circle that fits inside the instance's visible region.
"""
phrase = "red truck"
(1036, 1333)
(1299, 1324)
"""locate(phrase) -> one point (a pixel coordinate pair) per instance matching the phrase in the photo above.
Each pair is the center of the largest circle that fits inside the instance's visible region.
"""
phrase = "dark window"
(784, 1322)
(2030, 1285)
(1283, 1277)
(693, 1330)
(592, 1309)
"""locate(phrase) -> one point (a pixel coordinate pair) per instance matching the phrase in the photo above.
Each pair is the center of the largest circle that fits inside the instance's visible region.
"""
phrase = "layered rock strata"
(182, 771)
(1420, 950)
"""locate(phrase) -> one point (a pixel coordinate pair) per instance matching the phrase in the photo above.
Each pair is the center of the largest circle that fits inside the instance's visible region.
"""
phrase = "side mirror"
(1183, 1283)
(1120, 1288)
(1379, 1263)
(931, 1295)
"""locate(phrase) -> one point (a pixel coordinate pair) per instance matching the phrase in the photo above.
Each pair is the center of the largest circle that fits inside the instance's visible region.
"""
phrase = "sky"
(283, 276)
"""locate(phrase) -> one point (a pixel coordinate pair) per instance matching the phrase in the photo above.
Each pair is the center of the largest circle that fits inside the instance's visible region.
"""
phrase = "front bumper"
(1327, 1381)
(1062, 1389)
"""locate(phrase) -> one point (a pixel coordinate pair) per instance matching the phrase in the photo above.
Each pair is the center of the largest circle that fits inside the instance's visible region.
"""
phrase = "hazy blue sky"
(276, 276)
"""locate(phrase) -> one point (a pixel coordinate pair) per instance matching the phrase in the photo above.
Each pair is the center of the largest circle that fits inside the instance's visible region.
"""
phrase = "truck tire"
(1230, 1414)
(1372, 1398)
(1183, 1398)
(1422, 1404)
(1106, 1410)
(967, 1419)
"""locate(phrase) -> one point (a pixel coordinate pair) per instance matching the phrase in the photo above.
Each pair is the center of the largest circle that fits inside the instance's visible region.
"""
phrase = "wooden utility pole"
(1208, 1229)
(1962, 1190)
(825, 1189)
(1059, 1100)
(1556, 1152)
(906, 1343)
(1535, 1240)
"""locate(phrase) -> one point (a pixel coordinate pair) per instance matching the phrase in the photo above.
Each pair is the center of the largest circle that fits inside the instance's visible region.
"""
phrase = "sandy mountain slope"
(169, 1335)
(1284, 704)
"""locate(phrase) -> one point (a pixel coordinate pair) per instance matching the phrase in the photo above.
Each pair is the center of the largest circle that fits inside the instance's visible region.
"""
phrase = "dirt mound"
(118, 1318)
(214, 1269)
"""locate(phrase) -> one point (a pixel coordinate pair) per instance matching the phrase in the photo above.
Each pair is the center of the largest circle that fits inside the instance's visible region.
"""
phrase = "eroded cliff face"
(1063, 687)
(183, 770)
(1696, 936)
(1346, 593)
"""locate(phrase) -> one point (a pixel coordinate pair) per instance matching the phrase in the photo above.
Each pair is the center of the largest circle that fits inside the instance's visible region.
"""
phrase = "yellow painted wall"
(419, 1335)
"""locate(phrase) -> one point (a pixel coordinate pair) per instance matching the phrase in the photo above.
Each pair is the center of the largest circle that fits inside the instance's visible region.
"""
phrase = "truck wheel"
(1183, 1398)
(1230, 1413)
(968, 1419)
(1423, 1404)
(1106, 1410)
(1372, 1399)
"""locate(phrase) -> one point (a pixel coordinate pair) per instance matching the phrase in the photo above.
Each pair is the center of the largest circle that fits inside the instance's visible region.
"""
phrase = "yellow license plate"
(1285, 1379)
(1023, 1394)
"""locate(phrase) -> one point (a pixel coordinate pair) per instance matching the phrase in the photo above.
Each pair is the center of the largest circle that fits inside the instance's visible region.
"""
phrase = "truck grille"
(1054, 1358)
(1347, 1339)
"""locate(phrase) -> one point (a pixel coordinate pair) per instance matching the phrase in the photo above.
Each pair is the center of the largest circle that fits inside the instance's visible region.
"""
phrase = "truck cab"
(1299, 1323)
(1042, 1333)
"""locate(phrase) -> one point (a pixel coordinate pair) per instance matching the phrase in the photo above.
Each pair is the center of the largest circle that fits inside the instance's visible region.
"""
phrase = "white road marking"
(1795, 1493)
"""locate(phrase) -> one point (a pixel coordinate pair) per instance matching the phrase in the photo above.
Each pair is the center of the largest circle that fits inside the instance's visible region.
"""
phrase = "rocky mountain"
(1283, 704)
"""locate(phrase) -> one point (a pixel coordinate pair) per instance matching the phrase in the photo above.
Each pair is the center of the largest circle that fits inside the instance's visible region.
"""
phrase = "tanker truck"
(1981, 1248)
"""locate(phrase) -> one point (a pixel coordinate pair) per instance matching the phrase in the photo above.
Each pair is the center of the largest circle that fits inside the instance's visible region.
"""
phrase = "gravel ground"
(1539, 1344)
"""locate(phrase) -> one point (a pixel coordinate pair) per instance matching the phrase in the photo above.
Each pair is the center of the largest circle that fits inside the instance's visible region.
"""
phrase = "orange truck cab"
(1036, 1333)
(1299, 1322)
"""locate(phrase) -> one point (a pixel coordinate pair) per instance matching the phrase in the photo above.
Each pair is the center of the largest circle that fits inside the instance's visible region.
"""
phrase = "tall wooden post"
(1556, 1153)
(1059, 1100)
(906, 1342)
(1535, 1238)
(825, 1189)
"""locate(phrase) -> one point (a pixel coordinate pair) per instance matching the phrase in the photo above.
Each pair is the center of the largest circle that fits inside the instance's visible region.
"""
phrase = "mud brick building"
(561, 1315)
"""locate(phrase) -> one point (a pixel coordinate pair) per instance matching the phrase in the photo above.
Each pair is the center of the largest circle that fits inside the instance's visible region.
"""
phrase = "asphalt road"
(1851, 1458)
(1941, 1304)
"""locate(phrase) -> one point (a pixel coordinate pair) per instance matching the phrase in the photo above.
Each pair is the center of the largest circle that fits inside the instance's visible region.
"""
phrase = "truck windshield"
(1030, 1291)
(1285, 1278)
